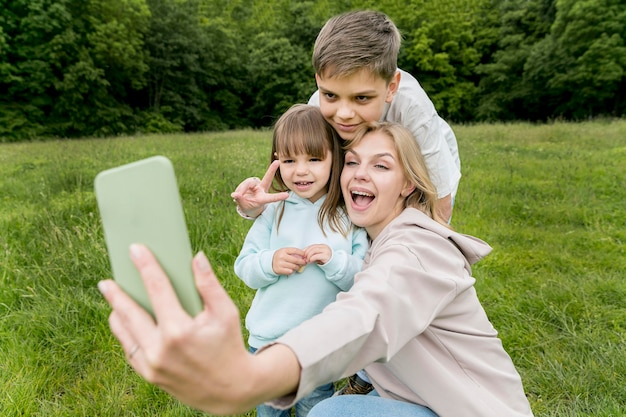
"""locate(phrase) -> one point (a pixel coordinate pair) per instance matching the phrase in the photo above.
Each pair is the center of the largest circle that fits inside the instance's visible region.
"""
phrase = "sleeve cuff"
(244, 215)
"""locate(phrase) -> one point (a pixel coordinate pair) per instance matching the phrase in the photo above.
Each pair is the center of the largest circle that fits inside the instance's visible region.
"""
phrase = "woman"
(412, 319)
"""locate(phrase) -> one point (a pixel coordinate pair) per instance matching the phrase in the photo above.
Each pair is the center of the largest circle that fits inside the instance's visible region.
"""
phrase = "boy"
(355, 61)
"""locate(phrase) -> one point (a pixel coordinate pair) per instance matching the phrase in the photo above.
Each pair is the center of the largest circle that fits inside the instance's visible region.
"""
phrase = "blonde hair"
(424, 196)
(357, 40)
(303, 130)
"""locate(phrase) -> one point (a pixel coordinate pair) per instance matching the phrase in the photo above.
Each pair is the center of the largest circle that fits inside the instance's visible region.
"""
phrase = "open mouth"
(362, 198)
(303, 185)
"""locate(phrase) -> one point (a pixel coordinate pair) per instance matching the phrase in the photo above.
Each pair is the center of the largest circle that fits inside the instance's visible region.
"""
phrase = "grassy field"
(550, 199)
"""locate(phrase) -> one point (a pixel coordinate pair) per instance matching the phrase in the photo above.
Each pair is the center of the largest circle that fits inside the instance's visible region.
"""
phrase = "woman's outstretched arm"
(200, 360)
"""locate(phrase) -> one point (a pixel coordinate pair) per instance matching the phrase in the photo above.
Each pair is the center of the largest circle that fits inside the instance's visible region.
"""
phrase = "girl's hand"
(286, 261)
(318, 253)
(253, 193)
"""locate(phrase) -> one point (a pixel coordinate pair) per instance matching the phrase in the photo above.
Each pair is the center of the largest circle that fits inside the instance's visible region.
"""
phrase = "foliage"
(193, 61)
(557, 59)
(443, 44)
(583, 60)
(70, 64)
(504, 95)
(72, 68)
(279, 55)
(276, 67)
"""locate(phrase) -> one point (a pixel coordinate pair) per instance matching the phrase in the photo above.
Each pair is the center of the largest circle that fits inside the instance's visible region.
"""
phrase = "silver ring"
(133, 350)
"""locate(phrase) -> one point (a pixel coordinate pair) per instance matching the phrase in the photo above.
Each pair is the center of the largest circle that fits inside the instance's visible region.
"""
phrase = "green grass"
(550, 199)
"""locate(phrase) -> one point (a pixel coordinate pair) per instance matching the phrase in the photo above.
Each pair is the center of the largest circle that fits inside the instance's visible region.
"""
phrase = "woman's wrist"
(277, 369)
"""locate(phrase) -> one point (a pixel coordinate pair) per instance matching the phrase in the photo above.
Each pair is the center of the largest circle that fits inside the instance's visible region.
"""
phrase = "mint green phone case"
(140, 203)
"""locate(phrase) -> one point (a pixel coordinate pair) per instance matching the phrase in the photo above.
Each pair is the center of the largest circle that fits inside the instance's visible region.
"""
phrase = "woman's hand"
(202, 361)
(253, 194)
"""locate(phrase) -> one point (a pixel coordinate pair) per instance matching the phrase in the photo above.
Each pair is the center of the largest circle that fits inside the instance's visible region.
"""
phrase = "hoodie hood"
(472, 248)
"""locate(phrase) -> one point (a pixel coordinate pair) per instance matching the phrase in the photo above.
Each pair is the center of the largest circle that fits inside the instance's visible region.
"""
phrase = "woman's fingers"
(216, 299)
(165, 303)
(191, 358)
(130, 324)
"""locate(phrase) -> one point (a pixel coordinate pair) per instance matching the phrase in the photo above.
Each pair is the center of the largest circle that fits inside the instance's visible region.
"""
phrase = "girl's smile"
(306, 175)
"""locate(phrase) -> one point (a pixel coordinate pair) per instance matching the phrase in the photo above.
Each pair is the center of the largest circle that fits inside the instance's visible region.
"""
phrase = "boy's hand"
(252, 194)
(443, 206)
(318, 253)
(286, 261)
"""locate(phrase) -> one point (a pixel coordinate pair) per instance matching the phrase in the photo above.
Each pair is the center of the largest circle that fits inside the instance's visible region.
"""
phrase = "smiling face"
(306, 175)
(349, 101)
(309, 153)
(373, 183)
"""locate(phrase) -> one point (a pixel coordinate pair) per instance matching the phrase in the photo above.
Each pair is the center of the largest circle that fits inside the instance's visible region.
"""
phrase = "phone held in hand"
(140, 203)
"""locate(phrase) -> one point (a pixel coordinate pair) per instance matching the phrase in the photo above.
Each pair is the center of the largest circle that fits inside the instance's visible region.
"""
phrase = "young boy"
(355, 61)
(355, 58)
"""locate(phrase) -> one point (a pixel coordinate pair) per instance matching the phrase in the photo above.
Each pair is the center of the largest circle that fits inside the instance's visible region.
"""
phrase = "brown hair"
(303, 130)
(357, 40)
(424, 196)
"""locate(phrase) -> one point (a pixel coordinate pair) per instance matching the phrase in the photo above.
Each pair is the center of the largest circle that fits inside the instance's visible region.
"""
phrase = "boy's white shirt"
(412, 108)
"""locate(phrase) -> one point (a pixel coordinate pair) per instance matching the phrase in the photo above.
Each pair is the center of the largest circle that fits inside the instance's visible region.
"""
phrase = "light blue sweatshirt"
(282, 302)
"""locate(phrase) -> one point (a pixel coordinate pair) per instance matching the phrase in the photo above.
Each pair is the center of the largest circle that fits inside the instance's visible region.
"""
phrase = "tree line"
(74, 68)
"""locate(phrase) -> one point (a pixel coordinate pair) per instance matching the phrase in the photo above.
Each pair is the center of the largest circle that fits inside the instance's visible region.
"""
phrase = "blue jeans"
(302, 407)
(370, 405)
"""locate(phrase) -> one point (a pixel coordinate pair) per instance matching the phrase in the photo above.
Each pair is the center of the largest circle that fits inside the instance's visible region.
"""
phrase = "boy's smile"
(351, 100)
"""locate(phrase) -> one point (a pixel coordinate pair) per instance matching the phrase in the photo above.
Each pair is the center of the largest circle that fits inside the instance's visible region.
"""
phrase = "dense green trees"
(195, 76)
(583, 60)
(68, 67)
(103, 67)
(556, 59)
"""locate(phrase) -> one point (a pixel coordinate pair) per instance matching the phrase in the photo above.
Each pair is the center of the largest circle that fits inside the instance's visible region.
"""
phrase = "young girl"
(301, 252)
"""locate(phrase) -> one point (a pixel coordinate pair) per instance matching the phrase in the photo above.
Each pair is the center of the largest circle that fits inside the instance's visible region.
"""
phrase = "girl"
(301, 252)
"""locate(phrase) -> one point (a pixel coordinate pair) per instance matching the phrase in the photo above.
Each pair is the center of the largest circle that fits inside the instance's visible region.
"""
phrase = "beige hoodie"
(414, 322)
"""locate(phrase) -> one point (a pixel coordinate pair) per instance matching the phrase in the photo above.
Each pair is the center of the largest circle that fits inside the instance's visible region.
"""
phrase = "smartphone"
(140, 203)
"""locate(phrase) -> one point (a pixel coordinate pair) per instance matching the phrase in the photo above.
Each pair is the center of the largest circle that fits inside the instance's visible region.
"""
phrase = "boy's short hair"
(357, 40)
